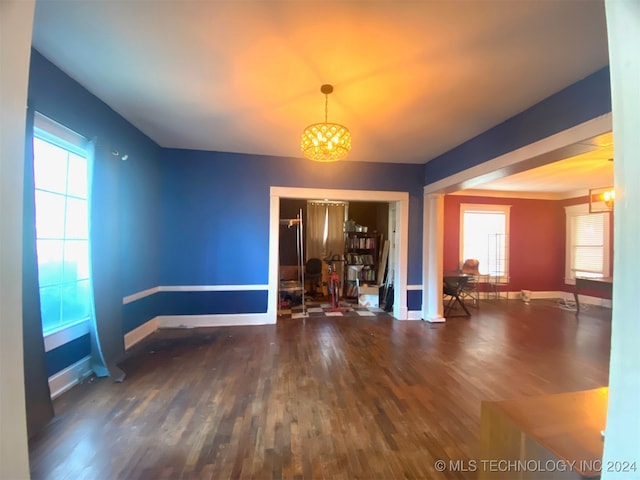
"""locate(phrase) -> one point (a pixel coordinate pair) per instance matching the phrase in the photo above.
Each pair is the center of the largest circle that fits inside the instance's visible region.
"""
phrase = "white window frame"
(60, 135)
(572, 211)
(486, 207)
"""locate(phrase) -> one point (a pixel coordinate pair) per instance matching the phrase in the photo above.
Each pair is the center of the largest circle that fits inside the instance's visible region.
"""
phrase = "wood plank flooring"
(334, 397)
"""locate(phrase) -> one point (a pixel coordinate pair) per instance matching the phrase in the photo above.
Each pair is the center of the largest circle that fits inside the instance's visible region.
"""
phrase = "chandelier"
(326, 142)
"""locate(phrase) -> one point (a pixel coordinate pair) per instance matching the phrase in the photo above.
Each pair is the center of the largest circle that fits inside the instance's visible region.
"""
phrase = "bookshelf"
(361, 259)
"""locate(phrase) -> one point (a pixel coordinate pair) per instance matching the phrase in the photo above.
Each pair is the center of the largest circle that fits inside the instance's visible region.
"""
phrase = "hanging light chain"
(326, 107)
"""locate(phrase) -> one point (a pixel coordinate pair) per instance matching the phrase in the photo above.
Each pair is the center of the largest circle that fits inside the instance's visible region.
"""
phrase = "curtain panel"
(314, 225)
(107, 341)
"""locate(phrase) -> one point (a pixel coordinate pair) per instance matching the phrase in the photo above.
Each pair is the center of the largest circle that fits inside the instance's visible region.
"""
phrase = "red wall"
(537, 240)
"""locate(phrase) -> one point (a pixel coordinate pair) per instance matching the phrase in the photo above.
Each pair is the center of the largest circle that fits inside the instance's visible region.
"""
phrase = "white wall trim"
(414, 315)
(586, 299)
(69, 377)
(471, 192)
(489, 170)
(221, 320)
(65, 335)
(401, 200)
(414, 287)
(191, 288)
(560, 295)
(137, 296)
(140, 333)
(211, 288)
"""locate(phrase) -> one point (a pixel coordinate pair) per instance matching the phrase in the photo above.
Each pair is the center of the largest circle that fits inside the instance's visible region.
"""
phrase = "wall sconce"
(601, 199)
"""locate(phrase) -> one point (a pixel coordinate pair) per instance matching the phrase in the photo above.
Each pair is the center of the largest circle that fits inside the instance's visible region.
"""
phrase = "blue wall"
(59, 97)
(584, 100)
(215, 211)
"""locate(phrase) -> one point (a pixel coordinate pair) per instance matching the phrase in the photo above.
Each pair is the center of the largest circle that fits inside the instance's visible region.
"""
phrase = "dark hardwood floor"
(336, 397)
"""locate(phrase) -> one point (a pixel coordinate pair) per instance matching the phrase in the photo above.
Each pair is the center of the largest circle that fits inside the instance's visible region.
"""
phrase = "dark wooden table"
(604, 285)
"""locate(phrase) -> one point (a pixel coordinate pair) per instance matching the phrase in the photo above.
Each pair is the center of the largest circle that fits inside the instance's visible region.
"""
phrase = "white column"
(622, 438)
(433, 242)
(16, 23)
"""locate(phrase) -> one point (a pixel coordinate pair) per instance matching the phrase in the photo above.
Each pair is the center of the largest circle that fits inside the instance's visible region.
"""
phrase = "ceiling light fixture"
(326, 142)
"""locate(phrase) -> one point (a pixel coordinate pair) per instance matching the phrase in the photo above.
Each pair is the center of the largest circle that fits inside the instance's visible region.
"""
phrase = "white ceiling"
(412, 78)
(567, 178)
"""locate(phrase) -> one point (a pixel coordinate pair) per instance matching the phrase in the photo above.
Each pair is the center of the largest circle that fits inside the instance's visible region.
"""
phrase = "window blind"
(588, 245)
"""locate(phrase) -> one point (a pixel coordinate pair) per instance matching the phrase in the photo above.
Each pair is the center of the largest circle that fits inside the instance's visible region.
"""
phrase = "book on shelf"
(351, 290)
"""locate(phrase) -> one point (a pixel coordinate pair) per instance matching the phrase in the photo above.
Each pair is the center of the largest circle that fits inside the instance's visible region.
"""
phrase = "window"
(484, 233)
(587, 250)
(62, 225)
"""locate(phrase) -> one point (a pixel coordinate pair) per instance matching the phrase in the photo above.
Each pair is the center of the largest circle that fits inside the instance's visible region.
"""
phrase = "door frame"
(399, 199)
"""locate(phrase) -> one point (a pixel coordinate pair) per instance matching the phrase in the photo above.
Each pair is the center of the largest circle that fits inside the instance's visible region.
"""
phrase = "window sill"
(66, 334)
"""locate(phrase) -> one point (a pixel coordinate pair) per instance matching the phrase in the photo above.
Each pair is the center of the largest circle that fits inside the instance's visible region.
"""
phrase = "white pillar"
(433, 242)
(16, 23)
(622, 439)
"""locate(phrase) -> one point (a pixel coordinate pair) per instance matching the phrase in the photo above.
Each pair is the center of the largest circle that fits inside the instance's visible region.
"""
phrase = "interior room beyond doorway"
(334, 230)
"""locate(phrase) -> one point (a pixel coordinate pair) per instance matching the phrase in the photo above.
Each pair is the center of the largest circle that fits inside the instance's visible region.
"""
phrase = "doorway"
(398, 203)
(326, 223)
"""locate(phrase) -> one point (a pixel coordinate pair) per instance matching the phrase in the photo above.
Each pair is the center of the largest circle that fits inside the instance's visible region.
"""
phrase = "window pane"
(50, 166)
(76, 301)
(62, 229)
(49, 215)
(589, 259)
(76, 260)
(589, 229)
(77, 184)
(587, 237)
(49, 262)
(478, 227)
(77, 219)
(50, 307)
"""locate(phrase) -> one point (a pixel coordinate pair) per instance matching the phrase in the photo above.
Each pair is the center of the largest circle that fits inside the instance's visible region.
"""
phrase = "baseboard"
(69, 377)
(222, 320)
(140, 333)
(414, 315)
(540, 295)
(435, 319)
(586, 299)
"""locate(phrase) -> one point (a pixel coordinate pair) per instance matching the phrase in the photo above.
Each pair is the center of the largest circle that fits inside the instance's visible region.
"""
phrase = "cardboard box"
(369, 296)
(369, 290)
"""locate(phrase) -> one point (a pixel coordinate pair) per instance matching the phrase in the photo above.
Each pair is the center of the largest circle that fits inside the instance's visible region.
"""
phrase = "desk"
(550, 428)
(454, 282)
(604, 285)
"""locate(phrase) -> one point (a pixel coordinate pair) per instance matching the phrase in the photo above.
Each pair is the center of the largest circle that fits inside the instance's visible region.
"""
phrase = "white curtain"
(314, 225)
(325, 231)
(335, 228)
